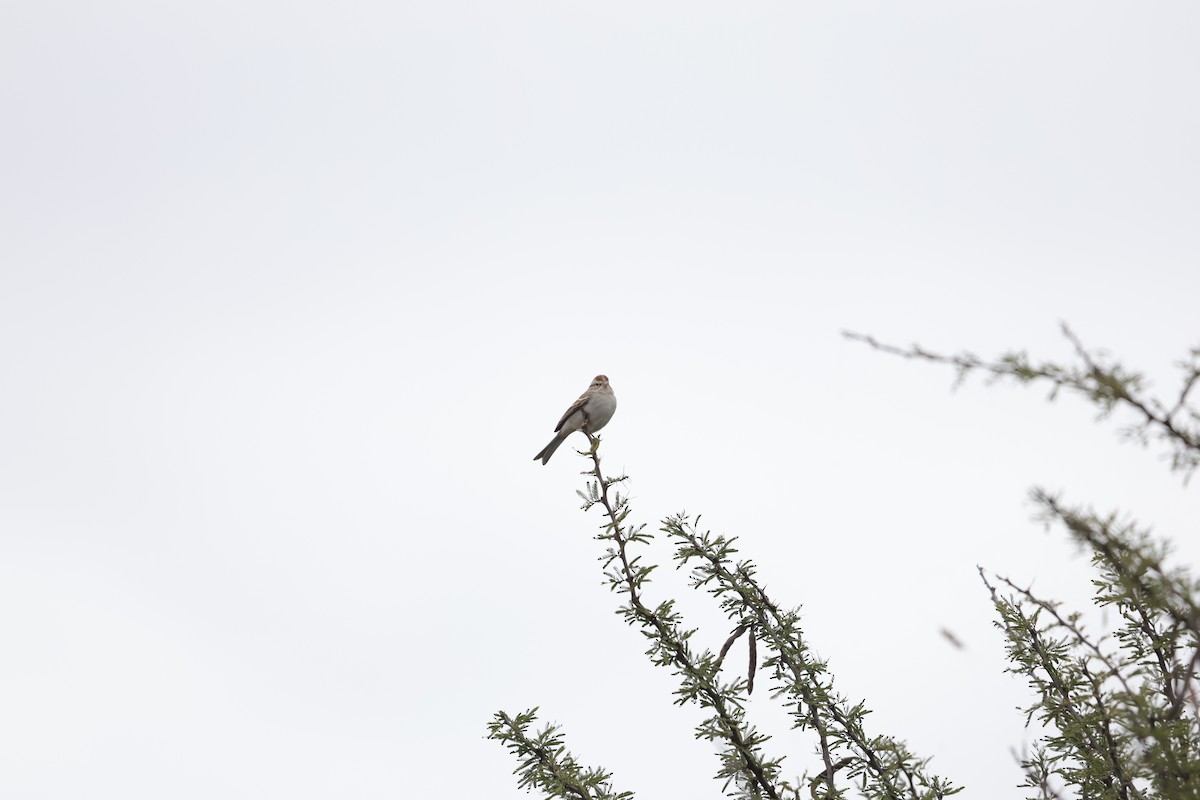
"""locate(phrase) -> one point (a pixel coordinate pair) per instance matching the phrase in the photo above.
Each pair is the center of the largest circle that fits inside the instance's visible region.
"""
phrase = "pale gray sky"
(291, 293)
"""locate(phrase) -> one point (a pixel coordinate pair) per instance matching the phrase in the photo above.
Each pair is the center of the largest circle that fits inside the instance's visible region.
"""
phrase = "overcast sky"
(291, 293)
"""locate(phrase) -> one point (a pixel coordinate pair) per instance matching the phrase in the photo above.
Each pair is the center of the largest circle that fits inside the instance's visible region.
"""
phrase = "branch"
(890, 768)
(1067, 623)
(1106, 384)
(545, 763)
(661, 625)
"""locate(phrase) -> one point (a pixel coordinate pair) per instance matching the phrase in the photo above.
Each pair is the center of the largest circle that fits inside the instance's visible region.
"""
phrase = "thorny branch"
(544, 763)
(1067, 623)
(730, 727)
(1105, 383)
(817, 706)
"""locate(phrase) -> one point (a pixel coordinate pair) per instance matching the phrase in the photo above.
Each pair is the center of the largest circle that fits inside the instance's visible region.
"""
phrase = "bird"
(589, 413)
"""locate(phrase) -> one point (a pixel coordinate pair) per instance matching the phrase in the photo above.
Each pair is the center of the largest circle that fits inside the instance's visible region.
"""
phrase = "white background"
(290, 293)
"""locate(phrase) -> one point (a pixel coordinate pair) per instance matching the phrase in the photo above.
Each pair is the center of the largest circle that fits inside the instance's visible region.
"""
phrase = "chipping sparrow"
(589, 413)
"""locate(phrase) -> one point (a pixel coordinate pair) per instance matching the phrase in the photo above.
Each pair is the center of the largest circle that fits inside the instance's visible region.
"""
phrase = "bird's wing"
(576, 406)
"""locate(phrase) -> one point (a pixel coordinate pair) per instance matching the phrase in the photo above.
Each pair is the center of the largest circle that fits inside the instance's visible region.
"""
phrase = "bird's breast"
(601, 409)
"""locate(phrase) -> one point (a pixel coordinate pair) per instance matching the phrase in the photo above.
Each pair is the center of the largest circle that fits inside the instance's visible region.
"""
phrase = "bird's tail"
(549, 449)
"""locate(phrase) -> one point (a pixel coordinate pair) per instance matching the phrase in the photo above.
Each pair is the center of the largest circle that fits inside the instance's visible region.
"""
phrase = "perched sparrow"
(589, 413)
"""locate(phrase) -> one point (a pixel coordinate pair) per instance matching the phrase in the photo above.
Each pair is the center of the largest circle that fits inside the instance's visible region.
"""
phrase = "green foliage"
(1115, 706)
(544, 763)
(1103, 381)
(1118, 714)
(879, 767)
